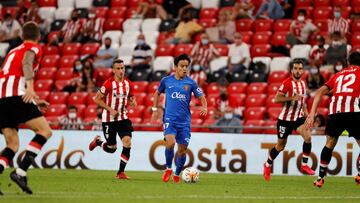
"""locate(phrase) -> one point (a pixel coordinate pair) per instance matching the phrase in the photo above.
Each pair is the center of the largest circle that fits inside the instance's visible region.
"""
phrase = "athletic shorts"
(14, 111)
(181, 132)
(122, 128)
(337, 123)
(285, 128)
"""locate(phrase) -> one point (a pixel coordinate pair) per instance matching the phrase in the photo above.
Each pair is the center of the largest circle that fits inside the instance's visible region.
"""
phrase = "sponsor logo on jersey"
(178, 95)
(186, 87)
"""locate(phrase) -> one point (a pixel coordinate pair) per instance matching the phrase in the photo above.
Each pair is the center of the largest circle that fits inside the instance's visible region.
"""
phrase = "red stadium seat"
(320, 3)
(322, 24)
(212, 99)
(257, 88)
(71, 49)
(279, 39)
(165, 50)
(90, 98)
(183, 48)
(58, 98)
(213, 88)
(355, 48)
(53, 35)
(113, 24)
(303, 3)
(260, 50)
(12, 10)
(345, 12)
(326, 74)
(68, 61)
(355, 25)
(43, 85)
(135, 112)
(271, 125)
(223, 49)
(51, 50)
(255, 100)
(262, 38)
(46, 73)
(130, 12)
(104, 73)
(209, 13)
(150, 100)
(254, 113)
(244, 25)
(116, 13)
(323, 111)
(237, 88)
(152, 87)
(324, 102)
(323, 13)
(211, 113)
(61, 84)
(277, 76)
(206, 23)
(50, 61)
(47, 3)
(282, 25)
(247, 37)
(77, 98)
(118, 3)
(195, 124)
(237, 100)
(195, 112)
(64, 74)
(273, 88)
(274, 112)
(355, 38)
(80, 110)
(101, 12)
(52, 122)
(147, 113)
(270, 102)
(140, 98)
(43, 95)
(89, 48)
(151, 125)
(263, 25)
(140, 86)
(341, 3)
(136, 122)
(208, 123)
(250, 126)
(56, 110)
(134, 3)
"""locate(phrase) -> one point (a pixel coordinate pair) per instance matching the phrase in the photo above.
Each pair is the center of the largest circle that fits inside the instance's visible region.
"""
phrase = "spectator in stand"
(185, 29)
(203, 52)
(10, 31)
(317, 54)
(239, 56)
(150, 9)
(74, 83)
(338, 24)
(314, 80)
(93, 28)
(105, 55)
(71, 121)
(96, 124)
(71, 32)
(175, 8)
(288, 7)
(243, 9)
(199, 76)
(270, 9)
(229, 120)
(142, 55)
(222, 101)
(338, 66)
(337, 50)
(301, 29)
(88, 78)
(319, 124)
(226, 27)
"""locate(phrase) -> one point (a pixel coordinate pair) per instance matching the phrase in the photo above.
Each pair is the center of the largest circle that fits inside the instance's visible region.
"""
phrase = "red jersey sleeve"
(38, 55)
(330, 83)
(284, 88)
(106, 87)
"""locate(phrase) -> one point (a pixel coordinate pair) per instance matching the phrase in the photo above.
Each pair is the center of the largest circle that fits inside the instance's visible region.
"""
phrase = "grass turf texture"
(101, 186)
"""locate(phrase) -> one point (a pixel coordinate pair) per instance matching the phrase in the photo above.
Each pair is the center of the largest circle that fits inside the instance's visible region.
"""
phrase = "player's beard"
(297, 76)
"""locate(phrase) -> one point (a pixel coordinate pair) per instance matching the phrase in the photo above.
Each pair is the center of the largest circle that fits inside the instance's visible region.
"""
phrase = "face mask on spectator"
(196, 67)
(338, 67)
(140, 42)
(314, 71)
(72, 115)
(204, 41)
(92, 15)
(228, 116)
(301, 18)
(78, 67)
(337, 14)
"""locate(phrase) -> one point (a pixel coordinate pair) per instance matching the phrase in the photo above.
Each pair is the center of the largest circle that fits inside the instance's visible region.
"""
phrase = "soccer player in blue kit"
(177, 117)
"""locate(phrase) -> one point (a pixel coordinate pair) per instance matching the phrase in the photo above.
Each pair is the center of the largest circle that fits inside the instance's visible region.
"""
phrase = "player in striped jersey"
(113, 97)
(18, 104)
(344, 112)
(292, 117)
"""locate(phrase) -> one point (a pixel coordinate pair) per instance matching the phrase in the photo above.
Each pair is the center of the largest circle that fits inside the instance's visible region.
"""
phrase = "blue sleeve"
(196, 90)
(162, 86)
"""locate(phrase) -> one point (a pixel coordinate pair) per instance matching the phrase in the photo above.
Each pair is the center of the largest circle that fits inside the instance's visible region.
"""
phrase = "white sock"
(20, 172)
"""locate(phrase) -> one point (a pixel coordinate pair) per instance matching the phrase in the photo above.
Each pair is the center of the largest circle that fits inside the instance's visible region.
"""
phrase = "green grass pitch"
(100, 186)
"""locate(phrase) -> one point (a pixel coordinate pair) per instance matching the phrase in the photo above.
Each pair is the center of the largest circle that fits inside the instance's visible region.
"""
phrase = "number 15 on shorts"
(282, 130)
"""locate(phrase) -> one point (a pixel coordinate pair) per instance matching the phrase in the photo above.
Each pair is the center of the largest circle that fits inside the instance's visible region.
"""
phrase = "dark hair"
(31, 31)
(72, 107)
(116, 61)
(181, 57)
(354, 58)
(296, 61)
(84, 78)
(303, 11)
(336, 34)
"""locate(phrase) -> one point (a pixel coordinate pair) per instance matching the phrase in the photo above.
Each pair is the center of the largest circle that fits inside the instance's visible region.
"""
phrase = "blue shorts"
(181, 132)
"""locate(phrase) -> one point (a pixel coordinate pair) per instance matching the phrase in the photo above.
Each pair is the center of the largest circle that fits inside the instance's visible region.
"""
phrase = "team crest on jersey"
(186, 87)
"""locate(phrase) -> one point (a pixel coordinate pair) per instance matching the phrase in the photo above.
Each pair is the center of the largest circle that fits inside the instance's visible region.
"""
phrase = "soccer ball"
(190, 175)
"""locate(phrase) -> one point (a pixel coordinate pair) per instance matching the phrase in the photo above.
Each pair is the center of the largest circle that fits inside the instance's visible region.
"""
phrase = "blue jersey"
(178, 97)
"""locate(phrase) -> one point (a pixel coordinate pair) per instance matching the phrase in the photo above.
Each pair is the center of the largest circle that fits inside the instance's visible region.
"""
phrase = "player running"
(292, 117)
(177, 118)
(117, 91)
(17, 104)
(344, 112)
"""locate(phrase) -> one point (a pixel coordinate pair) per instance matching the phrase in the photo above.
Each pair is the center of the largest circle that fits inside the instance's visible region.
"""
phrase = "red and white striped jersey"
(293, 110)
(12, 80)
(341, 25)
(346, 91)
(116, 96)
